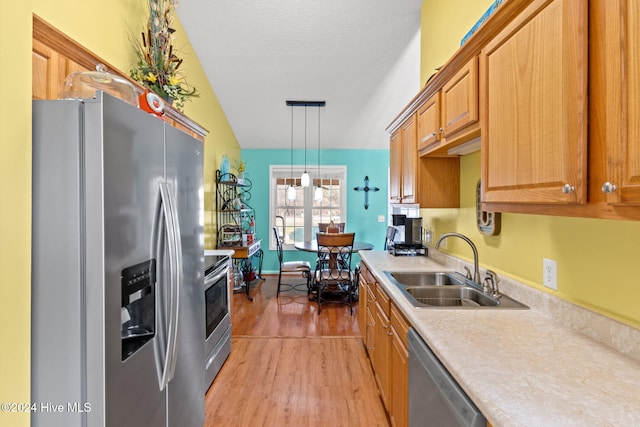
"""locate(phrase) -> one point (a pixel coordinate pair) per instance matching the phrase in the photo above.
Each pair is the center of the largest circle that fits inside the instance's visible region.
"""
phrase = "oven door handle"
(210, 280)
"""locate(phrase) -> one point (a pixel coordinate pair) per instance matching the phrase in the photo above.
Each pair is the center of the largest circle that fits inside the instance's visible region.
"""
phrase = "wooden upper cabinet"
(50, 69)
(46, 66)
(395, 167)
(429, 129)
(450, 116)
(408, 183)
(460, 100)
(615, 102)
(534, 82)
(402, 166)
(431, 182)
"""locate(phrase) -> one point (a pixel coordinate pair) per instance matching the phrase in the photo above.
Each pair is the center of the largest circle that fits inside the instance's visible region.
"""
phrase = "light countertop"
(524, 367)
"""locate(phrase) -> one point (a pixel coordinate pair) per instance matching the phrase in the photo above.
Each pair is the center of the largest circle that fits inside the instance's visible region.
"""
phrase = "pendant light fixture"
(304, 179)
(317, 195)
(291, 191)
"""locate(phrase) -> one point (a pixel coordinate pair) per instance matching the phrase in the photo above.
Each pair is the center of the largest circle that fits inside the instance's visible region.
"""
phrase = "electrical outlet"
(380, 218)
(550, 273)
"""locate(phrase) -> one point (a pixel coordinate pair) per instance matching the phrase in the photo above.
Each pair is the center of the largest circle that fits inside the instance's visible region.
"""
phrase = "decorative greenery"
(158, 62)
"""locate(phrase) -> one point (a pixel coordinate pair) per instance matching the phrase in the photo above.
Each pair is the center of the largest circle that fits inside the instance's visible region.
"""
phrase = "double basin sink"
(447, 289)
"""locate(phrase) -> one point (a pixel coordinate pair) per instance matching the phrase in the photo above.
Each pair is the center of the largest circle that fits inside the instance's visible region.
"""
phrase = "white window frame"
(285, 171)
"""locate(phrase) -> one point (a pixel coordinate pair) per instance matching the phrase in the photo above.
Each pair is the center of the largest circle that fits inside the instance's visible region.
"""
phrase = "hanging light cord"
(291, 142)
(319, 181)
(305, 139)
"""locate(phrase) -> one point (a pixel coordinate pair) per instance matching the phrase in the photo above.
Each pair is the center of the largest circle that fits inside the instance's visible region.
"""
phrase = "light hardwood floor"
(290, 366)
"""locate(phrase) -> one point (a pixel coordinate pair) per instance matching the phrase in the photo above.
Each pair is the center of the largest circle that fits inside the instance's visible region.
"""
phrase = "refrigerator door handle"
(171, 230)
(177, 282)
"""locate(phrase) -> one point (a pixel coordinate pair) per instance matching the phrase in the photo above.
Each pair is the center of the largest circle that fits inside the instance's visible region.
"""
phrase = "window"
(298, 219)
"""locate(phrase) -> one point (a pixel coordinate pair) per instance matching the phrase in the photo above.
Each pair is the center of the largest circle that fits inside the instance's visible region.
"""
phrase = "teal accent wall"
(359, 163)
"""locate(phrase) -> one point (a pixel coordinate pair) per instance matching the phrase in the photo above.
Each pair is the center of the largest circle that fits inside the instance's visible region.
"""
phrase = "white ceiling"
(360, 56)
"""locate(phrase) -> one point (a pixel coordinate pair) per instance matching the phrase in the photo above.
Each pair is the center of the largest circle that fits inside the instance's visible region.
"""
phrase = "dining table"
(312, 246)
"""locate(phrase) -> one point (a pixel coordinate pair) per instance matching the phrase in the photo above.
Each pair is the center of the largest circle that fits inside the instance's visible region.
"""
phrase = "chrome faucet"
(476, 271)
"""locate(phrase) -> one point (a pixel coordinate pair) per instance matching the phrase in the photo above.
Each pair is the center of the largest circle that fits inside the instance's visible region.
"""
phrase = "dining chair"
(333, 276)
(331, 227)
(290, 267)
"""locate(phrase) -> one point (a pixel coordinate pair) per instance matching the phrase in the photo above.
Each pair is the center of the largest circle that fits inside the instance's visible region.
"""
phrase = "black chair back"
(278, 244)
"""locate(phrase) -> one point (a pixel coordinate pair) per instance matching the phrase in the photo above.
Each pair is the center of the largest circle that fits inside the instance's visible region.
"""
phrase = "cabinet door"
(362, 311)
(460, 99)
(630, 157)
(395, 167)
(429, 123)
(370, 337)
(371, 319)
(408, 135)
(381, 357)
(399, 368)
(534, 78)
(615, 95)
(399, 381)
(48, 71)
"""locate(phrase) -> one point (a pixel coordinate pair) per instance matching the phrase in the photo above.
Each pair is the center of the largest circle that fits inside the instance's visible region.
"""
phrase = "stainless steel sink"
(451, 296)
(447, 289)
(430, 278)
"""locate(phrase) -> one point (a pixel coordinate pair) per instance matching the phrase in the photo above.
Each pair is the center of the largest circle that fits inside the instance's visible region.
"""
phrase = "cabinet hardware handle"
(608, 187)
(433, 134)
(568, 189)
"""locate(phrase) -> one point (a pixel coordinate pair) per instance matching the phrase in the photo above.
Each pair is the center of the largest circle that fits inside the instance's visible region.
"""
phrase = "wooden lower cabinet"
(366, 318)
(385, 336)
(362, 298)
(399, 399)
(381, 354)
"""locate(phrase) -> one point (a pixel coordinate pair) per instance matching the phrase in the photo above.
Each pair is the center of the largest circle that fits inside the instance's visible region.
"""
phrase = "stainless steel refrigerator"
(117, 268)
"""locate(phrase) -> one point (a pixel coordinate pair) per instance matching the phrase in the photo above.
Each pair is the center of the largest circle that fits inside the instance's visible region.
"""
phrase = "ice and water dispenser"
(138, 306)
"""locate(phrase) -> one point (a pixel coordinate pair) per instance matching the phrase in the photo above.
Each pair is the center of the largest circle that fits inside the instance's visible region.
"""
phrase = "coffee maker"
(407, 239)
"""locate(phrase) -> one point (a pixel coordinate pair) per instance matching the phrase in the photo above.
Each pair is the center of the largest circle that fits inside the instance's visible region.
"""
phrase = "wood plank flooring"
(290, 366)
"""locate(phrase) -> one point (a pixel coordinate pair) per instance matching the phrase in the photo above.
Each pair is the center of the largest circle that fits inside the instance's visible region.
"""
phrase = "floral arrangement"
(240, 165)
(158, 63)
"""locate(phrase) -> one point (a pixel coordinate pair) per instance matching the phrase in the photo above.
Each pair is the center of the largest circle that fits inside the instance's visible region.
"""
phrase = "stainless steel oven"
(217, 318)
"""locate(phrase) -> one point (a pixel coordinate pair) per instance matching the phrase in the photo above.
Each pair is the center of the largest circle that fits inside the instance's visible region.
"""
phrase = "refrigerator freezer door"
(184, 170)
(56, 264)
(125, 167)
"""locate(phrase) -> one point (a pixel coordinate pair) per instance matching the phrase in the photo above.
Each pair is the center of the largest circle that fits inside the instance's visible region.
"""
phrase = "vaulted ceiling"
(360, 56)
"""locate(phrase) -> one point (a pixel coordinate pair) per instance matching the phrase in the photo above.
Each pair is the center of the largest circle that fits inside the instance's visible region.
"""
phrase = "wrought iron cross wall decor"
(366, 190)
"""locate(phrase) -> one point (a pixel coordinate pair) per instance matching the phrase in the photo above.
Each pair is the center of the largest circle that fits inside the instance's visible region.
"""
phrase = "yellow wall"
(110, 37)
(597, 259)
(444, 23)
(15, 207)
(104, 28)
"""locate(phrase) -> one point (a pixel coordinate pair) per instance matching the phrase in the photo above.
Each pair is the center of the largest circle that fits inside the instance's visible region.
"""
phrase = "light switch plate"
(380, 218)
